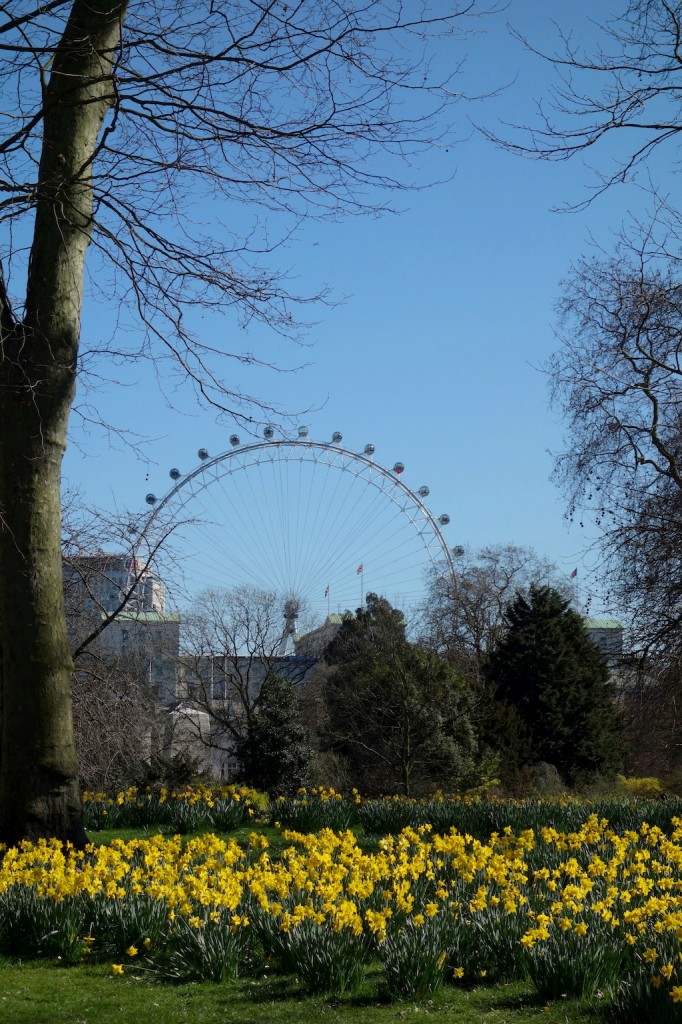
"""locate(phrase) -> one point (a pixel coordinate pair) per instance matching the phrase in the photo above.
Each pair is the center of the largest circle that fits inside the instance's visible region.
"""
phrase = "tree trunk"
(39, 794)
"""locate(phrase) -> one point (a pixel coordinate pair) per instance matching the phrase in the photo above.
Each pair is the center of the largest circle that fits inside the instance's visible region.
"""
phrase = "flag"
(326, 593)
(359, 569)
(574, 574)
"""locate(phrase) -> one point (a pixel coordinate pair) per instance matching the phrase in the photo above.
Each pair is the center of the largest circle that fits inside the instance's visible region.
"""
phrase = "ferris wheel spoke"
(319, 525)
(342, 525)
(363, 530)
(323, 561)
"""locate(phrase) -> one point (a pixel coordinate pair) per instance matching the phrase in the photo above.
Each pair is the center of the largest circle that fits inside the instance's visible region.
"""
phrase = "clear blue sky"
(433, 355)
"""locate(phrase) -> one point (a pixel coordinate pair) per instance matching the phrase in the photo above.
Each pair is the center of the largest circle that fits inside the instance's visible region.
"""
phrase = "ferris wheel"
(312, 521)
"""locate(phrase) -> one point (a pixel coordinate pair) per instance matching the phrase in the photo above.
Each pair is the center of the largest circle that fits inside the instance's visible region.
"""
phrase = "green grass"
(104, 837)
(45, 993)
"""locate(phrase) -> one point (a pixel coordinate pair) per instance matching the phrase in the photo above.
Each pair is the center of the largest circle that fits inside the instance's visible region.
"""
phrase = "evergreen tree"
(548, 670)
(275, 754)
(398, 713)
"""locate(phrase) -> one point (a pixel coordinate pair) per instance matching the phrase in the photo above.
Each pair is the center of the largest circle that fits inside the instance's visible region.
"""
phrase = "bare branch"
(630, 86)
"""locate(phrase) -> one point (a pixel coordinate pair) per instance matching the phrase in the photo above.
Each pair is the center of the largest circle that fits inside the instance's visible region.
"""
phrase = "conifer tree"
(548, 670)
(275, 753)
(399, 714)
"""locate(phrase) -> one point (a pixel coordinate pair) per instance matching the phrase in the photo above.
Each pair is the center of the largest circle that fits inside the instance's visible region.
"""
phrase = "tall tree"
(398, 712)
(556, 681)
(618, 381)
(118, 119)
(617, 375)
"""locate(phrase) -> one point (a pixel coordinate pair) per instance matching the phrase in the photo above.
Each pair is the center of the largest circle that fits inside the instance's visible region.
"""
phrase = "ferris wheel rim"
(361, 461)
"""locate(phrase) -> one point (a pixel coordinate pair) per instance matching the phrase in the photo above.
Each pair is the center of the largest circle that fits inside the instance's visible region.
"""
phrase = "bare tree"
(617, 376)
(463, 615)
(618, 382)
(232, 642)
(118, 120)
(116, 721)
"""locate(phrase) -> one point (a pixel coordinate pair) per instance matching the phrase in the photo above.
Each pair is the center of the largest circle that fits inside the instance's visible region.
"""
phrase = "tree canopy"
(628, 85)
(399, 714)
(556, 683)
(463, 615)
(616, 377)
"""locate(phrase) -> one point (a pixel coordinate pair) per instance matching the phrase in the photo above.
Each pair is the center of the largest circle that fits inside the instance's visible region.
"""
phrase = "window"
(218, 689)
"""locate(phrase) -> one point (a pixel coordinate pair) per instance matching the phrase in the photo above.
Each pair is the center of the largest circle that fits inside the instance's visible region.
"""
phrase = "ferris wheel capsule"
(302, 432)
(337, 437)
(268, 432)
(234, 440)
(458, 551)
(151, 499)
(369, 449)
(203, 454)
(174, 474)
(398, 468)
(444, 519)
(423, 492)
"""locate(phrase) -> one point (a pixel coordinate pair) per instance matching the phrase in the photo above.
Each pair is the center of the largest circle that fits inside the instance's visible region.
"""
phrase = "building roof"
(100, 558)
(148, 616)
(331, 620)
(603, 624)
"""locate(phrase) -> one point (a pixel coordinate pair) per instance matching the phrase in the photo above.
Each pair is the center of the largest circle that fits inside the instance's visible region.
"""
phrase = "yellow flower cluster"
(201, 872)
(566, 889)
(190, 794)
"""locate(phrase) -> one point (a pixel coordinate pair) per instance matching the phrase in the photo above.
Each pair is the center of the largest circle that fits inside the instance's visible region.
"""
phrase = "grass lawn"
(45, 993)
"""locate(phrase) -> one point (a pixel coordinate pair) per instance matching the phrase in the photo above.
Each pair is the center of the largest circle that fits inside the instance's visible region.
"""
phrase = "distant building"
(150, 641)
(143, 636)
(187, 732)
(314, 644)
(197, 694)
(221, 686)
(607, 634)
(103, 581)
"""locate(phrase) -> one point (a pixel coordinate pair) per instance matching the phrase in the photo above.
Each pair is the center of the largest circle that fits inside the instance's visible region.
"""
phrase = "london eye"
(313, 521)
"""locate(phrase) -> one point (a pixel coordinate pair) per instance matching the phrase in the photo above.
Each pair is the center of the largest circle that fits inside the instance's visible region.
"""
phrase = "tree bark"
(39, 793)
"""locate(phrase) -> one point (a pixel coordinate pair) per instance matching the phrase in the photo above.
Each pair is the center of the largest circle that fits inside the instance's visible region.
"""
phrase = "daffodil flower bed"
(478, 815)
(592, 913)
(186, 810)
(226, 808)
(316, 808)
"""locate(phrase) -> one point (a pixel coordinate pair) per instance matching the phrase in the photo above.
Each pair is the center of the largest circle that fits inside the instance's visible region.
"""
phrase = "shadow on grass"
(526, 999)
(529, 999)
(272, 990)
(288, 988)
